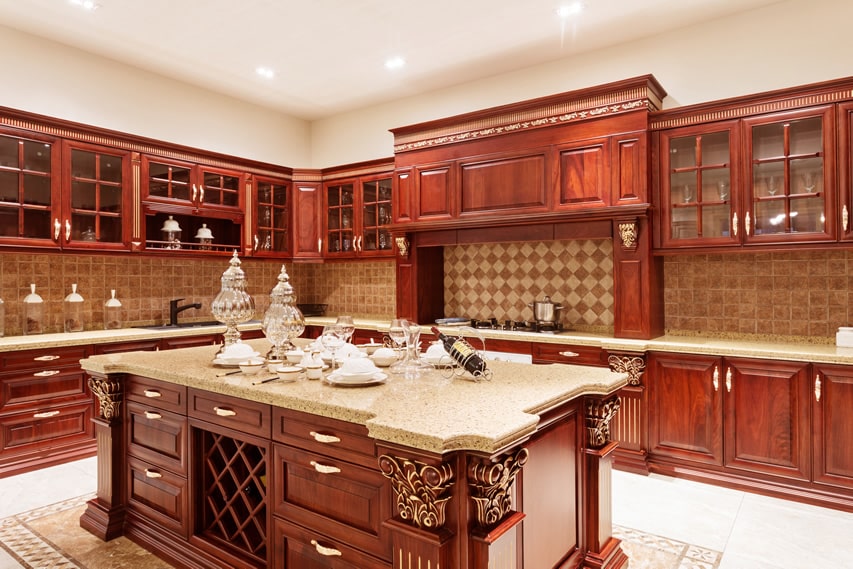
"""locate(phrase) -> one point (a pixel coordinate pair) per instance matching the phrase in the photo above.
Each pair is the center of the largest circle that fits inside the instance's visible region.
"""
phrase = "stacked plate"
(234, 354)
(356, 372)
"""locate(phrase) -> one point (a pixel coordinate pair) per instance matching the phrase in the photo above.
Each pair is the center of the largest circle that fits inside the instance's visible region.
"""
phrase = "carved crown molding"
(421, 491)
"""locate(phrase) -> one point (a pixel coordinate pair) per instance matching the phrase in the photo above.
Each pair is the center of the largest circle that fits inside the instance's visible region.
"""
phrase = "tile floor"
(753, 532)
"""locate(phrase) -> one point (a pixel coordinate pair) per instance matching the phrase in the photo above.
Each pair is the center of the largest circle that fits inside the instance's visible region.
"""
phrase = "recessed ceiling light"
(265, 72)
(89, 5)
(395, 62)
(570, 9)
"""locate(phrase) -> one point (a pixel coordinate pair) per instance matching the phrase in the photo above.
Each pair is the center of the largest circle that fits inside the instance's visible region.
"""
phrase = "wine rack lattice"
(234, 505)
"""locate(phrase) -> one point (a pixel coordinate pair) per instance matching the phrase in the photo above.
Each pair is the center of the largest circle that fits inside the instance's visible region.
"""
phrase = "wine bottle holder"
(459, 369)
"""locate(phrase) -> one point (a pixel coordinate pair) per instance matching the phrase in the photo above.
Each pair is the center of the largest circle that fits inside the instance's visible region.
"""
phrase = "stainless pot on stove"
(545, 310)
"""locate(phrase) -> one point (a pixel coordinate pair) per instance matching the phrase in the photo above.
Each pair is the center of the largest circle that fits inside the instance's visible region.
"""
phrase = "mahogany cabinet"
(845, 171)
(358, 213)
(272, 233)
(307, 221)
(831, 393)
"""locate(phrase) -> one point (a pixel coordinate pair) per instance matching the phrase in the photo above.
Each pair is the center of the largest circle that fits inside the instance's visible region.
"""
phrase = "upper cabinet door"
(700, 190)
(96, 203)
(374, 238)
(340, 219)
(845, 170)
(358, 213)
(29, 190)
(272, 204)
(790, 177)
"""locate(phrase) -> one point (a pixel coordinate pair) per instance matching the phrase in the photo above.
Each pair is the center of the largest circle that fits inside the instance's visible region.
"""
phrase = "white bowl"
(294, 356)
(237, 351)
(370, 348)
(288, 373)
(383, 361)
(273, 365)
(251, 366)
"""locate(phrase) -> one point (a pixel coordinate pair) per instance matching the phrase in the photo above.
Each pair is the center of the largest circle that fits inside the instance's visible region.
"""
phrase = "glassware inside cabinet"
(25, 188)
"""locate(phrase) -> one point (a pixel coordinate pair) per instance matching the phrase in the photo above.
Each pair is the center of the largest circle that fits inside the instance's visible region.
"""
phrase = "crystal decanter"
(283, 321)
(233, 305)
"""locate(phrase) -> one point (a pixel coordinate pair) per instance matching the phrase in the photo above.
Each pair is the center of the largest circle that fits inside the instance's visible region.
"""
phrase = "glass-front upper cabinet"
(340, 219)
(29, 190)
(376, 215)
(191, 185)
(272, 217)
(96, 198)
(699, 186)
(791, 177)
(358, 212)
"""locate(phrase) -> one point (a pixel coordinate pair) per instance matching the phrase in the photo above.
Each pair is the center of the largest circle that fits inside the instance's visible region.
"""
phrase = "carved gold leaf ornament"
(628, 234)
(403, 246)
(420, 490)
(598, 416)
(490, 483)
(634, 366)
(109, 396)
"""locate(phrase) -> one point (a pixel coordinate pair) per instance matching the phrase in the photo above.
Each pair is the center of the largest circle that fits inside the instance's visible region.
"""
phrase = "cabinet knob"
(321, 438)
(225, 412)
(324, 468)
(327, 551)
(45, 414)
(152, 393)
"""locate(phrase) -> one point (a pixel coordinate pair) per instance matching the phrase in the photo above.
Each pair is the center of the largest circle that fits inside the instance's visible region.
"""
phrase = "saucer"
(344, 381)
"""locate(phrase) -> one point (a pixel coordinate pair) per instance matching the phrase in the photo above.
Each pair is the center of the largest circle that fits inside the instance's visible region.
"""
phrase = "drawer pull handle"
(152, 474)
(153, 415)
(152, 393)
(45, 358)
(729, 380)
(225, 412)
(817, 388)
(327, 551)
(569, 354)
(716, 378)
(45, 414)
(46, 373)
(324, 468)
(321, 438)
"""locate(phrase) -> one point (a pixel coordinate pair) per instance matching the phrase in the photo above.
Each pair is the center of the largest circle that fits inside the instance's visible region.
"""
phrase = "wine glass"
(398, 335)
(688, 193)
(332, 339)
(771, 185)
(723, 187)
(347, 327)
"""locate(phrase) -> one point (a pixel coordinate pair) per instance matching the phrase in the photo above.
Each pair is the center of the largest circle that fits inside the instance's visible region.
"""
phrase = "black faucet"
(174, 309)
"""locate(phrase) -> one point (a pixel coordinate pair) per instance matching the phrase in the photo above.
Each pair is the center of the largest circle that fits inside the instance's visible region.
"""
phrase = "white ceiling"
(328, 55)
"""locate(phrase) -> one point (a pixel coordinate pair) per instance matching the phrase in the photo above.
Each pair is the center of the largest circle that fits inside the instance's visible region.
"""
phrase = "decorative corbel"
(634, 366)
(420, 490)
(629, 232)
(599, 413)
(402, 246)
(109, 395)
(489, 484)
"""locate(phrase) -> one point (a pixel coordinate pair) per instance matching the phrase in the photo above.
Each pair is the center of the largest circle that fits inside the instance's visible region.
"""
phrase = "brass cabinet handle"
(817, 388)
(716, 378)
(45, 358)
(57, 227)
(225, 412)
(153, 415)
(327, 551)
(729, 380)
(324, 468)
(321, 438)
(569, 354)
(152, 474)
(45, 414)
(152, 393)
(320, 245)
(195, 192)
(747, 224)
(201, 194)
(46, 373)
(256, 242)
(845, 217)
(734, 223)
(67, 230)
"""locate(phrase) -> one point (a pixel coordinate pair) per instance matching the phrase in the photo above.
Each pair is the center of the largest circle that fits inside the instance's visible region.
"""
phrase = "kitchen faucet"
(174, 309)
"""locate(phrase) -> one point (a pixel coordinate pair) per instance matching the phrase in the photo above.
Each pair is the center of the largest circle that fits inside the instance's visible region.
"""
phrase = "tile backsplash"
(145, 284)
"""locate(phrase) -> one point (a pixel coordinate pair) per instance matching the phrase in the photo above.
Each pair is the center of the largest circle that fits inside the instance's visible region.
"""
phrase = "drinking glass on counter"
(397, 333)
(332, 339)
(347, 327)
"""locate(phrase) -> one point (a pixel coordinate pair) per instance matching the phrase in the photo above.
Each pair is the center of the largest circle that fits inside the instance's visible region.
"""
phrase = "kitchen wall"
(145, 284)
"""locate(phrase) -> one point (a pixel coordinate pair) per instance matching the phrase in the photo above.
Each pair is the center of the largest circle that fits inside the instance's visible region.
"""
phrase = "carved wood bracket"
(489, 483)
(634, 366)
(629, 232)
(402, 246)
(599, 413)
(109, 396)
(421, 491)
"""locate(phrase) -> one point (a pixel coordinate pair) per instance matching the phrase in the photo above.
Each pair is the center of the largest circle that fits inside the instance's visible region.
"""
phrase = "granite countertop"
(435, 412)
(769, 349)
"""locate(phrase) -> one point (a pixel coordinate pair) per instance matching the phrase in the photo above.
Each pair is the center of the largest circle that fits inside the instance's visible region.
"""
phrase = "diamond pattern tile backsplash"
(500, 280)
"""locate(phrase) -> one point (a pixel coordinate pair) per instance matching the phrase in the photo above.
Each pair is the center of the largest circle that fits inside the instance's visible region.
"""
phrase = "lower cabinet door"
(158, 494)
(831, 391)
(46, 430)
(296, 547)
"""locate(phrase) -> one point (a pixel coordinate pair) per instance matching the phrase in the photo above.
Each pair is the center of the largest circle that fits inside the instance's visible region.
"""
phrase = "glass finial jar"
(112, 312)
(33, 312)
(233, 305)
(72, 311)
(283, 321)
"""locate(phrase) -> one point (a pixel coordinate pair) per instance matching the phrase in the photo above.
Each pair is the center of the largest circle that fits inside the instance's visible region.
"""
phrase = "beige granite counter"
(435, 413)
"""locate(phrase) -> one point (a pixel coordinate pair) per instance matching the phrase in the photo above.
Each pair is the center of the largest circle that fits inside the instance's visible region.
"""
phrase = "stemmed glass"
(332, 339)
(413, 357)
(346, 326)
(397, 333)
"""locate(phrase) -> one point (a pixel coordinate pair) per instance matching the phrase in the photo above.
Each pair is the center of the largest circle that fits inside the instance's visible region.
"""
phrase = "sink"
(183, 325)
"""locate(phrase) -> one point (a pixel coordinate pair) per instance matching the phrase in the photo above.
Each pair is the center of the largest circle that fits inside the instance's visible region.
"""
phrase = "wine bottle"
(462, 352)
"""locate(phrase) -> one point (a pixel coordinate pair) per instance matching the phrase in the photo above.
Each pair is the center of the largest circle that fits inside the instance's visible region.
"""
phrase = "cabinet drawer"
(157, 436)
(52, 427)
(43, 360)
(28, 390)
(553, 353)
(137, 346)
(295, 547)
(162, 395)
(158, 495)
(331, 437)
(231, 412)
(348, 502)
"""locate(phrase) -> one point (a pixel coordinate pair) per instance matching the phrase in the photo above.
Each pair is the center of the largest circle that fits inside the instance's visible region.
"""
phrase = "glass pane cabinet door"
(789, 179)
(219, 189)
(271, 217)
(340, 210)
(26, 189)
(96, 198)
(376, 215)
(169, 181)
(698, 188)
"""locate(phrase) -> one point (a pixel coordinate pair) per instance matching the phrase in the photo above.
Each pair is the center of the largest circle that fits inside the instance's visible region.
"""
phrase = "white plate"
(440, 361)
(234, 362)
(374, 379)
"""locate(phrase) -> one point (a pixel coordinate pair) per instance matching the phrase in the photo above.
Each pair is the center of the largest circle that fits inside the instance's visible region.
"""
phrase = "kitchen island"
(441, 471)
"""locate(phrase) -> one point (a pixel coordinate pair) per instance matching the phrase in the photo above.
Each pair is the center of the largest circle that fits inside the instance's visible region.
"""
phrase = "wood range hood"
(568, 166)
